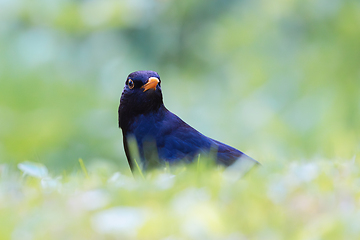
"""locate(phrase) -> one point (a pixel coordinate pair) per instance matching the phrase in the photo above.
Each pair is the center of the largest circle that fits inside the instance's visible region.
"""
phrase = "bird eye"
(131, 84)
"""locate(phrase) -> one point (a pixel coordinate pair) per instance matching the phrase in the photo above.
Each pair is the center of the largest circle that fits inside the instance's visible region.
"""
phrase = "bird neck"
(129, 115)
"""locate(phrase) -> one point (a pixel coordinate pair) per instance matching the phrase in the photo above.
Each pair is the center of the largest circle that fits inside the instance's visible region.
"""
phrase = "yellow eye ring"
(131, 84)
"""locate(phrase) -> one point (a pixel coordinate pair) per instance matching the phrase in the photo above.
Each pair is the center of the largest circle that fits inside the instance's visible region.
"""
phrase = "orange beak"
(151, 84)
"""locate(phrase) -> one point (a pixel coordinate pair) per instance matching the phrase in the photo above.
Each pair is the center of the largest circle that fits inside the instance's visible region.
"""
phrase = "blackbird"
(160, 133)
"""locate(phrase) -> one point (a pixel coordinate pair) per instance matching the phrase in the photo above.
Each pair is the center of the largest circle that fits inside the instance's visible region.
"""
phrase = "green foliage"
(275, 79)
(292, 200)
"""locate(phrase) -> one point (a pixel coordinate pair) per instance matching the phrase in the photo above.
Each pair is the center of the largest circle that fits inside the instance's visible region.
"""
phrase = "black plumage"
(143, 116)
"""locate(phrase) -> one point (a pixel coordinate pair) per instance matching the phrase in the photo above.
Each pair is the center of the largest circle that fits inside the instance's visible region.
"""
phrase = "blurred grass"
(284, 200)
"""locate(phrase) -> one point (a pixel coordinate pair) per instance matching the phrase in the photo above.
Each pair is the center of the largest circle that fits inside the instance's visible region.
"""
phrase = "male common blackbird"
(143, 116)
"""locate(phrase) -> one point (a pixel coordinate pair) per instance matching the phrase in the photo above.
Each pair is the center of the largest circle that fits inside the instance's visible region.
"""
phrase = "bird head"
(141, 95)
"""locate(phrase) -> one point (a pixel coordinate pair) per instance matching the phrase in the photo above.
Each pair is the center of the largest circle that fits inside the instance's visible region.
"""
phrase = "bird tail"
(240, 167)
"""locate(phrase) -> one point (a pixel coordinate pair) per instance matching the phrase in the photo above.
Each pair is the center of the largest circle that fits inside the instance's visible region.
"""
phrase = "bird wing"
(177, 140)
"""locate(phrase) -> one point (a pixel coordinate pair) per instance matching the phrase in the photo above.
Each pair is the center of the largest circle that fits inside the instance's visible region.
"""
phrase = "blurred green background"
(276, 79)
